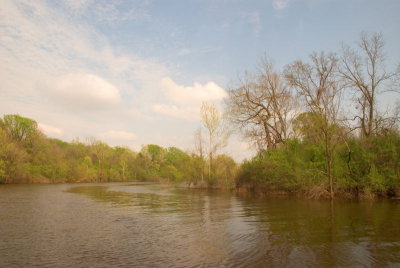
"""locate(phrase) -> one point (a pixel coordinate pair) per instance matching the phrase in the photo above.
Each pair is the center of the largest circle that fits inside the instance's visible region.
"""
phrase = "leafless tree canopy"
(364, 71)
(318, 84)
(262, 106)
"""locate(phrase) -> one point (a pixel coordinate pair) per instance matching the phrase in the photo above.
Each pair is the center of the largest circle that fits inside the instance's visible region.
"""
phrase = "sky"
(132, 73)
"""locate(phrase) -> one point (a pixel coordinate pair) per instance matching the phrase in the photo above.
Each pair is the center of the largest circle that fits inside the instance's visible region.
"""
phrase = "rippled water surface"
(142, 225)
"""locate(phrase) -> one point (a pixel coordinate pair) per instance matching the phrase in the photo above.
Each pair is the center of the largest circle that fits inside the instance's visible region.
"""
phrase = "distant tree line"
(318, 126)
(27, 155)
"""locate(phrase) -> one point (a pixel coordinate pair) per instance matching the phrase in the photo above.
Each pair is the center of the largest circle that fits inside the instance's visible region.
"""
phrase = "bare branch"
(262, 106)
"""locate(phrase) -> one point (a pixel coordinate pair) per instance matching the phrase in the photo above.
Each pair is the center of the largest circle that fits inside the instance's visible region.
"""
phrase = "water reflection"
(137, 225)
(150, 200)
(331, 234)
(101, 193)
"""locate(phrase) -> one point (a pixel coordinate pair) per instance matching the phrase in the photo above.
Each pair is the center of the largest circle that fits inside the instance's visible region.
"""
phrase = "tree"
(99, 151)
(178, 161)
(150, 161)
(157, 153)
(177, 158)
(225, 170)
(199, 151)
(218, 133)
(320, 88)
(19, 128)
(13, 159)
(262, 107)
(123, 156)
(364, 71)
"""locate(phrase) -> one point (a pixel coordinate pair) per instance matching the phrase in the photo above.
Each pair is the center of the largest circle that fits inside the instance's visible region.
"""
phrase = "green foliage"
(373, 163)
(225, 170)
(306, 126)
(19, 128)
(361, 165)
(291, 167)
(2, 171)
(26, 155)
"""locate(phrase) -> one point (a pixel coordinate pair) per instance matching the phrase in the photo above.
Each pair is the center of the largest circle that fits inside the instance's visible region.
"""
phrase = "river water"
(149, 225)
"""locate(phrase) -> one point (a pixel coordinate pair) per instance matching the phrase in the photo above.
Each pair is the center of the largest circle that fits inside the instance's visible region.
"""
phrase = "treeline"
(318, 125)
(362, 167)
(28, 156)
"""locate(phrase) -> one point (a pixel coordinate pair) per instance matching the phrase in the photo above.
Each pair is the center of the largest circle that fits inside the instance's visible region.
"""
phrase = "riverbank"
(362, 168)
(319, 193)
(311, 193)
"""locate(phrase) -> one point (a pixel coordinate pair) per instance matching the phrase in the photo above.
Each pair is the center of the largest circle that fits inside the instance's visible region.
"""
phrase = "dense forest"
(317, 127)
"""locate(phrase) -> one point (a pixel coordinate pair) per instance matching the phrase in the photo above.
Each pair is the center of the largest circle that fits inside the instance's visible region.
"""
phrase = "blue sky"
(135, 72)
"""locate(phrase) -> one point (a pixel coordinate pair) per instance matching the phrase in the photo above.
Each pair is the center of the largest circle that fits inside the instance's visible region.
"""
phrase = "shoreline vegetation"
(317, 127)
(28, 156)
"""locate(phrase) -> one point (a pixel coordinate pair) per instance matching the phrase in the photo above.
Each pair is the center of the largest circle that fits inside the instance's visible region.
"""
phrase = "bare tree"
(364, 71)
(199, 149)
(199, 142)
(319, 86)
(218, 133)
(388, 121)
(262, 106)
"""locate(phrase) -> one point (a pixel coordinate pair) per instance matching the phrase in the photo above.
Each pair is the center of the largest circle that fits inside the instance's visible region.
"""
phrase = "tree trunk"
(371, 118)
(329, 164)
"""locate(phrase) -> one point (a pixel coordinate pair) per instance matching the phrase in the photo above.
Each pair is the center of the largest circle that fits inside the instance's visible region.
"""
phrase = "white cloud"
(50, 130)
(195, 94)
(84, 91)
(280, 4)
(38, 42)
(117, 135)
(188, 113)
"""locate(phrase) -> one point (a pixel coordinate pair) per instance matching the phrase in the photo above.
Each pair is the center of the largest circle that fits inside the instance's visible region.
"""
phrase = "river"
(150, 225)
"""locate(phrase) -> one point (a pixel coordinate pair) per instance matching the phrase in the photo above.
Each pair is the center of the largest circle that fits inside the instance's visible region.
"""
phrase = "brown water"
(138, 225)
